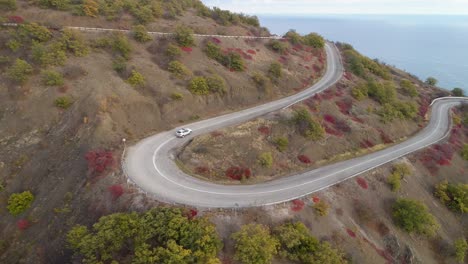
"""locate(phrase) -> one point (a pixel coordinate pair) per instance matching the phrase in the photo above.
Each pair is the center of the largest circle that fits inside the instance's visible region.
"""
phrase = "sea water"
(424, 45)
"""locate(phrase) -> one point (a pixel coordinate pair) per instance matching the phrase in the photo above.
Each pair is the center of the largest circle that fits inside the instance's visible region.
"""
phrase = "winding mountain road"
(150, 163)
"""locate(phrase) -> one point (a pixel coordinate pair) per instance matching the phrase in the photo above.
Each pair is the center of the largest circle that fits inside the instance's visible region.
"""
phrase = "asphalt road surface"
(150, 163)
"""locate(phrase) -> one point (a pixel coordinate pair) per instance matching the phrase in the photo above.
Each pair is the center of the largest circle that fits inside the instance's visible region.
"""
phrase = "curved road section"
(150, 163)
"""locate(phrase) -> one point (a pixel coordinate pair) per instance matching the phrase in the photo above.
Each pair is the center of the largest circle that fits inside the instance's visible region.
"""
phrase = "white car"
(183, 132)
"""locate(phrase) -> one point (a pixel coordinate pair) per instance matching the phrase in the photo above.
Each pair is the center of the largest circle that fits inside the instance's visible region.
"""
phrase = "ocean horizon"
(423, 45)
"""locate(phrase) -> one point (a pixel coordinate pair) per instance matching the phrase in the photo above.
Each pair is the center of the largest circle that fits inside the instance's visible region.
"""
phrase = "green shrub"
(213, 51)
(143, 14)
(382, 92)
(14, 45)
(398, 110)
(136, 79)
(293, 37)
(177, 96)
(121, 45)
(19, 71)
(360, 92)
(33, 31)
(19, 202)
(454, 196)
(8, 5)
(395, 181)
(140, 34)
(321, 208)
(54, 4)
(431, 81)
(461, 246)
(160, 235)
(409, 88)
(254, 244)
(308, 127)
(402, 168)
(52, 54)
(281, 143)
(458, 92)
(52, 78)
(278, 46)
(413, 216)
(73, 42)
(265, 159)
(359, 65)
(298, 245)
(184, 36)
(199, 86)
(178, 69)
(275, 71)
(314, 40)
(173, 51)
(119, 64)
(260, 80)
(63, 102)
(464, 152)
(216, 84)
(233, 61)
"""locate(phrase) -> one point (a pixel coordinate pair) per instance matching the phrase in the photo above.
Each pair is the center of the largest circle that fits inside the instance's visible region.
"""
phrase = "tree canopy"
(161, 235)
(254, 244)
(413, 216)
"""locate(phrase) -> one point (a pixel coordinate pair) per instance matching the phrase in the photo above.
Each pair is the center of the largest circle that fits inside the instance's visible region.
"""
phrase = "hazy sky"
(343, 6)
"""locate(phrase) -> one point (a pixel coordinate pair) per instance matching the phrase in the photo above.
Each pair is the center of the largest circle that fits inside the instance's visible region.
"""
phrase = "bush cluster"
(400, 171)
(173, 51)
(231, 60)
(409, 88)
(136, 79)
(184, 36)
(205, 85)
(140, 33)
(278, 46)
(307, 126)
(19, 71)
(361, 66)
(226, 18)
(454, 196)
(265, 159)
(275, 71)
(281, 143)
(178, 69)
(161, 235)
(254, 244)
(413, 216)
(313, 40)
(19, 202)
(52, 78)
(321, 208)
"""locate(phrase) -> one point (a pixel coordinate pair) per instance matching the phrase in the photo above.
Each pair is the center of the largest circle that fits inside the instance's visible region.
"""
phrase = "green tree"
(265, 159)
(431, 81)
(173, 51)
(281, 143)
(161, 235)
(19, 202)
(314, 40)
(178, 69)
(19, 71)
(307, 126)
(275, 71)
(454, 196)
(413, 216)
(52, 78)
(458, 92)
(298, 245)
(140, 33)
(461, 246)
(409, 88)
(184, 36)
(136, 79)
(254, 244)
(199, 86)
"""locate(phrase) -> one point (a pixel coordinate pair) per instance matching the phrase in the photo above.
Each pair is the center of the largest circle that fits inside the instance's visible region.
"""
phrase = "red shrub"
(216, 40)
(116, 191)
(99, 160)
(237, 173)
(362, 182)
(304, 159)
(316, 68)
(315, 199)
(264, 130)
(22, 224)
(251, 52)
(317, 97)
(348, 76)
(329, 118)
(297, 205)
(15, 19)
(202, 170)
(187, 49)
(345, 105)
(216, 134)
(350, 233)
(367, 144)
(192, 214)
